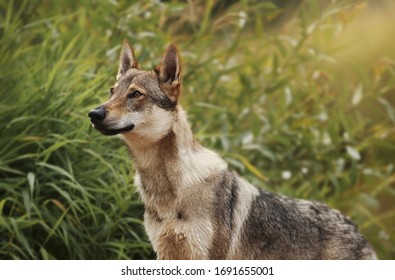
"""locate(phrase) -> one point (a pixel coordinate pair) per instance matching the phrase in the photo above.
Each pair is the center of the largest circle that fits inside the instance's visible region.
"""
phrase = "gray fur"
(283, 228)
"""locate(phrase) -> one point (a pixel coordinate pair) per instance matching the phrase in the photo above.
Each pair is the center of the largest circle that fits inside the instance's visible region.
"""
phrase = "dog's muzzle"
(97, 117)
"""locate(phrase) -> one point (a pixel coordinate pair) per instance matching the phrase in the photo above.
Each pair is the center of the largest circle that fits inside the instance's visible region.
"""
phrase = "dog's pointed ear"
(169, 70)
(127, 60)
(169, 73)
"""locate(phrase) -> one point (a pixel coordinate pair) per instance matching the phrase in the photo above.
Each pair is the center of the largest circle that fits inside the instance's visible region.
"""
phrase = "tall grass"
(295, 98)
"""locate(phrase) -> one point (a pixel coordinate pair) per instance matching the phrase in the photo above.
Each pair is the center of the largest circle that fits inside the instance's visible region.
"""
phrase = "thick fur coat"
(195, 207)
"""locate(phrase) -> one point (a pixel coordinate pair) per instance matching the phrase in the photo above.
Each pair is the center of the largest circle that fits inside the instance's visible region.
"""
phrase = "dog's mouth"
(109, 131)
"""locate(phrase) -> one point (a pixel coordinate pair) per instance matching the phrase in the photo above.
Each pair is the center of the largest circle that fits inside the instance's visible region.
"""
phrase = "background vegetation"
(298, 96)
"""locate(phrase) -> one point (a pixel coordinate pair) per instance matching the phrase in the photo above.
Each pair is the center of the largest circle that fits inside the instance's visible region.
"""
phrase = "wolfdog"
(195, 207)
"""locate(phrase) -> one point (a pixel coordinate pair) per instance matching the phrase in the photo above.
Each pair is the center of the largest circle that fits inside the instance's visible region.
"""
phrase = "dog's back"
(251, 223)
(279, 227)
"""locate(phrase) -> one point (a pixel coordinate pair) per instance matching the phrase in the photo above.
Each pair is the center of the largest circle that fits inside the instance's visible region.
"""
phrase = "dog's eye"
(135, 94)
(111, 91)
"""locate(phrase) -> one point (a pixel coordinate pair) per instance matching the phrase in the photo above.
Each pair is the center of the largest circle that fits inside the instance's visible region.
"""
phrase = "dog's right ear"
(127, 60)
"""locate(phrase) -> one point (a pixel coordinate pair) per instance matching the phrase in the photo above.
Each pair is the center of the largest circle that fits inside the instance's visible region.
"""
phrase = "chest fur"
(178, 219)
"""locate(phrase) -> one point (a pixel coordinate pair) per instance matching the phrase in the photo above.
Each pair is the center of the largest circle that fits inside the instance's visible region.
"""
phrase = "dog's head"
(141, 102)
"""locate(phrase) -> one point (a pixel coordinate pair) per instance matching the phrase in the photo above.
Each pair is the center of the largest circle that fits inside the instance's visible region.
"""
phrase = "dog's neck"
(174, 162)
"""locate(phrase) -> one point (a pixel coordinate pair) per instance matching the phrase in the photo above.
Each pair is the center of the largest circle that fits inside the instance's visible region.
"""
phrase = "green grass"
(296, 99)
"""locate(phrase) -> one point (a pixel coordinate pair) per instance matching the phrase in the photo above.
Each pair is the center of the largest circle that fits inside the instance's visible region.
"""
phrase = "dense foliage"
(298, 97)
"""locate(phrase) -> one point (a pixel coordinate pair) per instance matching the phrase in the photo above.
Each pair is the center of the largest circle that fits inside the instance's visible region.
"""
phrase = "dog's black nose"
(97, 115)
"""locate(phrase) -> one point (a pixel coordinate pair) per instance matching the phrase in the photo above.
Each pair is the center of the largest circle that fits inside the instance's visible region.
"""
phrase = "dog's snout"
(97, 115)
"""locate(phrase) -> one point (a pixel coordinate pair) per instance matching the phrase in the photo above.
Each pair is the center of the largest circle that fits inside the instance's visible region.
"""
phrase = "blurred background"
(297, 96)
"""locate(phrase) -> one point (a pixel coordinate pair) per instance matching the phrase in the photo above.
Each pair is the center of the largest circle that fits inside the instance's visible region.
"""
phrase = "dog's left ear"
(169, 72)
(127, 60)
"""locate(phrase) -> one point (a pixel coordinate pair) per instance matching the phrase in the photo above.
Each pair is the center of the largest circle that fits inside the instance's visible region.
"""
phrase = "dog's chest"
(177, 220)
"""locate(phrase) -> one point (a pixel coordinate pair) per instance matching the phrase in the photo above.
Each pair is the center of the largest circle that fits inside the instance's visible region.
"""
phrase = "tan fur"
(190, 191)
